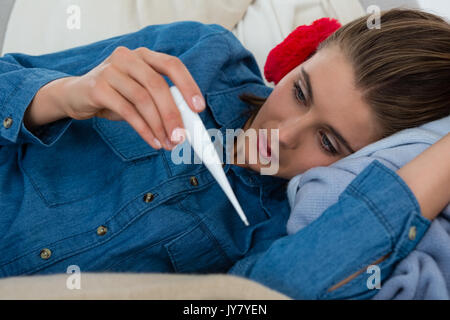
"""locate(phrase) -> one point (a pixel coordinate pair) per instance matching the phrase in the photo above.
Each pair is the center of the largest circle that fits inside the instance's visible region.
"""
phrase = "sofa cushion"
(117, 286)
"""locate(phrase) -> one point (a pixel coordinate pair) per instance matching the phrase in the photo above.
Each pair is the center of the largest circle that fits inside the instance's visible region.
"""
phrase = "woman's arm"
(377, 220)
(46, 106)
(428, 177)
(22, 76)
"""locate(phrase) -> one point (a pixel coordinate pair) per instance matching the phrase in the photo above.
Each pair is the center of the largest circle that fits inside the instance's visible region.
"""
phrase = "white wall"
(439, 7)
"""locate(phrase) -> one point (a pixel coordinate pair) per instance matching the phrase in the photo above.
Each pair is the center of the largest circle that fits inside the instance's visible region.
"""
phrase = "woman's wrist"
(428, 177)
(47, 105)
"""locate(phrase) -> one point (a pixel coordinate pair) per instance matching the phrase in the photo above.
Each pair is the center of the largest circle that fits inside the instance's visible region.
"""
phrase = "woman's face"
(320, 115)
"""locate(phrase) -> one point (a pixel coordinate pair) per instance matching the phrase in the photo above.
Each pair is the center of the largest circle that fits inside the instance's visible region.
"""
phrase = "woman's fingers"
(142, 102)
(175, 69)
(157, 88)
(114, 101)
(137, 76)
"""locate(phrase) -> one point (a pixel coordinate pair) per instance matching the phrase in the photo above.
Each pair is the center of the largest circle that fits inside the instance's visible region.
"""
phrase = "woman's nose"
(289, 133)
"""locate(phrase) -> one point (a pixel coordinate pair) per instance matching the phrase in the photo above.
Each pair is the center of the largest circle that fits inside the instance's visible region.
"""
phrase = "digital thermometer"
(199, 139)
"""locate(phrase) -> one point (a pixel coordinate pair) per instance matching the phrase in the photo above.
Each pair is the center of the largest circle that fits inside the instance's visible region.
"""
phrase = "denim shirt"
(93, 194)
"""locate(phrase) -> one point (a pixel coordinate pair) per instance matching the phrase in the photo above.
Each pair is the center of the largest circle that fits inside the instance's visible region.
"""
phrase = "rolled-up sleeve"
(18, 87)
(376, 216)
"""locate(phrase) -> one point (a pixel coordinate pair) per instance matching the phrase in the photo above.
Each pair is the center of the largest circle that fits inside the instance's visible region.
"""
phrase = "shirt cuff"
(395, 208)
(45, 135)
(376, 216)
(394, 205)
(18, 101)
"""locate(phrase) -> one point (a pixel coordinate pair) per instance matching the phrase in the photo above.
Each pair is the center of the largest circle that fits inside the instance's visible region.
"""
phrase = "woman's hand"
(129, 86)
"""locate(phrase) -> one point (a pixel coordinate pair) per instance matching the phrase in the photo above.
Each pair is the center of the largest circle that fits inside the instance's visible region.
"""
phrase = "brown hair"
(402, 69)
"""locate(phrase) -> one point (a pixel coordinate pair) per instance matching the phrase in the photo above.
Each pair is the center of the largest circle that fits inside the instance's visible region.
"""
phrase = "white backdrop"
(440, 7)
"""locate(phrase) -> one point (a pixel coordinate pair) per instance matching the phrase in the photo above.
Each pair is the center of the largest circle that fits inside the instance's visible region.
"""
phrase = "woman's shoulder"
(192, 32)
(216, 59)
(188, 31)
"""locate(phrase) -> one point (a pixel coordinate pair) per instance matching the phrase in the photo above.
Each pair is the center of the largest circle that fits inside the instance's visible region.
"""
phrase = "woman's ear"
(298, 47)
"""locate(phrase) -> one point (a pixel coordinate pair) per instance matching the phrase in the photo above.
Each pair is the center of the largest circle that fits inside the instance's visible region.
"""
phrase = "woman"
(80, 189)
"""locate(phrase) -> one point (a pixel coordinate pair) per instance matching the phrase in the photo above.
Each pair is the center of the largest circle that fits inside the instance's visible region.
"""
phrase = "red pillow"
(297, 48)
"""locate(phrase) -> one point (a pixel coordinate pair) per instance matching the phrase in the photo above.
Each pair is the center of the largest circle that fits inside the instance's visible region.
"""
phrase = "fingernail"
(169, 144)
(158, 144)
(199, 103)
(178, 135)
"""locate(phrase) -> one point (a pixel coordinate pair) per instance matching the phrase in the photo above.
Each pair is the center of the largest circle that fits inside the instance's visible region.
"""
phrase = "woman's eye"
(298, 93)
(327, 145)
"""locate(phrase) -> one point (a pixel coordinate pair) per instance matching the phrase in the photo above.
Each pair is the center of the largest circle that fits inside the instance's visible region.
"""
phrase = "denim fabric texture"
(92, 193)
(372, 219)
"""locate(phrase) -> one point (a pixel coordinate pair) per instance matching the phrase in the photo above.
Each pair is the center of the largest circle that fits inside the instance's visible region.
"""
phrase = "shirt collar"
(226, 106)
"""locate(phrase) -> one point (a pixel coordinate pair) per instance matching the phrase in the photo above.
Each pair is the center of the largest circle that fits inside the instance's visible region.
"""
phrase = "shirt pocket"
(197, 251)
(88, 159)
(123, 140)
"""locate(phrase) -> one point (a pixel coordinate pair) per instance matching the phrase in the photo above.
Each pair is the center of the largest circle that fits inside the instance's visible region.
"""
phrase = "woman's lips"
(263, 148)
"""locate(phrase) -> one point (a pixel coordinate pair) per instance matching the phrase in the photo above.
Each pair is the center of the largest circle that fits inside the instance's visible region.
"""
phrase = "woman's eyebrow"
(331, 128)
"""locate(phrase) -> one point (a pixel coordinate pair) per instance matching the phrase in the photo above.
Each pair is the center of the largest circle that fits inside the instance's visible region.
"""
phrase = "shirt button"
(102, 230)
(412, 233)
(45, 253)
(194, 181)
(149, 197)
(7, 123)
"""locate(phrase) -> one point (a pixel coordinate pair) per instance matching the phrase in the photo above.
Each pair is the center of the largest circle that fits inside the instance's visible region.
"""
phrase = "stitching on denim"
(123, 207)
(375, 210)
(103, 135)
(209, 234)
(221, 92)
(402, 184)
(416, 219)
(7, 109)
(17, 88)
(115, 149)
(87, 247)
(326, 295)
(172, 258)
(38, 191)
(100, 58)
(215, 242)
(40, 247)
(166, 165)
(181, 236)
(116, 263)
(55, 204)
(228, 60)
(126, 37)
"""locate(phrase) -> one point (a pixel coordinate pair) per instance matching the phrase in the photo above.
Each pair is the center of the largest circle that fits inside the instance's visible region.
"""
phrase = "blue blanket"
(425, 273)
